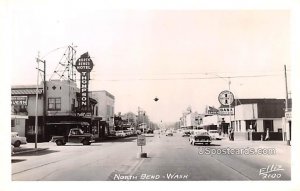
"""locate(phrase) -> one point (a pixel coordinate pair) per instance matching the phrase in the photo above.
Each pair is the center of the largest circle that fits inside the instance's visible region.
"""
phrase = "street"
(170, 158)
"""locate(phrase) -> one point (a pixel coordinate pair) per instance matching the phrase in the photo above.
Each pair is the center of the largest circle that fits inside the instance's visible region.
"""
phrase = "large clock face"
(226, 97)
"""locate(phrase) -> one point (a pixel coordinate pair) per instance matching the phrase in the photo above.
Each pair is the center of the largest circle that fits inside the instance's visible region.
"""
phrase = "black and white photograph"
(149, 94)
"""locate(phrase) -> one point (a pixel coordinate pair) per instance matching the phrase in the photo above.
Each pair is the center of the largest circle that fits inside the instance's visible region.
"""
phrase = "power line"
(188, 78)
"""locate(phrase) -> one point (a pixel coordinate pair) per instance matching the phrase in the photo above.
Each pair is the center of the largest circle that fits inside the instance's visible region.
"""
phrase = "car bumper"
(202, 141)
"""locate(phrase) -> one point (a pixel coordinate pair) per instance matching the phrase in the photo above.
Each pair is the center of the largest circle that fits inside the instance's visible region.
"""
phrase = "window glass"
(54, 104)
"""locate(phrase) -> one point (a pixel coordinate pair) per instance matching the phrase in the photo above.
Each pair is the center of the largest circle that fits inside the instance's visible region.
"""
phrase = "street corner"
(21, 151)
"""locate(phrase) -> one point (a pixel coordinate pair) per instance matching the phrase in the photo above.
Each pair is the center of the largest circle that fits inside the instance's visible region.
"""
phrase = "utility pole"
(286, 107)
(36, 105)
(44, 95)
(229, 82)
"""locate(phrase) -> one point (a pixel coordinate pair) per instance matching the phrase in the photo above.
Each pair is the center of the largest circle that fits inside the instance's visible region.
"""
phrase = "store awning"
(25, 91)
(69, 123)
(19, 116)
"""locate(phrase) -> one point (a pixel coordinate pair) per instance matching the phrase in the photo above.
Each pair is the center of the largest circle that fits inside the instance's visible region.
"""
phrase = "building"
(259, 116)
(190, 120)
(23, 100)
(59, 111)
(104, 110)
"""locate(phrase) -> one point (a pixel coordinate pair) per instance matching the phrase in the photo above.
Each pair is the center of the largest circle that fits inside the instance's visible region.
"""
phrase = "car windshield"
(202, 133)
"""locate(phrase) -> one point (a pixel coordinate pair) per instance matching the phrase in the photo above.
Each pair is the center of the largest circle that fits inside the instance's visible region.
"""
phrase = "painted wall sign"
(84, 66)
(19, 100)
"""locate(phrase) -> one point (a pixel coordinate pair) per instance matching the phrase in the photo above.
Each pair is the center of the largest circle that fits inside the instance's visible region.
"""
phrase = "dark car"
(76, 135)
(169, 133)
(185, 134)
(201, 136)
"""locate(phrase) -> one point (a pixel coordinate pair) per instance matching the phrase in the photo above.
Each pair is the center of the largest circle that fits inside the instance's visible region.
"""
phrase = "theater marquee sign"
(84, 66)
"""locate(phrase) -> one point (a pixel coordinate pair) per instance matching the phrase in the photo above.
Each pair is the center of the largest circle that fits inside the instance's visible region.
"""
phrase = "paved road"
(169, 158)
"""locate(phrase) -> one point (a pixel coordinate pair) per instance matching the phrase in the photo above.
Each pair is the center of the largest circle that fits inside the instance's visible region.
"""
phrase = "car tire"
(194, 143)
(59, 142)
(208, 143)
(85, 142)
(17, 144)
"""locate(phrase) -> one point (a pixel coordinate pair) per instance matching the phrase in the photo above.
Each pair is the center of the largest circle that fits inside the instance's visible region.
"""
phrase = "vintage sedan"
(16, 140)
(120, 134)
(185, 133)
(169, 133)
(200, 136)
(215, 134)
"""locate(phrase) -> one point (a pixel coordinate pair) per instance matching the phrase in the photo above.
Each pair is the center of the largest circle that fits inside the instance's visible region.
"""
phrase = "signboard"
(141, 140)
(226, 97)
(226, 111)
(84, 63)
(84, 66)
(288, 115)
(19, 100)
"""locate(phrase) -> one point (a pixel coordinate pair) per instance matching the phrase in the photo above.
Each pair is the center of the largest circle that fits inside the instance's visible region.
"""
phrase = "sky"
(180, 56)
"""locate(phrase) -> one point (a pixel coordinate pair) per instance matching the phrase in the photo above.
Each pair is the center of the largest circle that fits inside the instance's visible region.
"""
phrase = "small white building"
(258, 115)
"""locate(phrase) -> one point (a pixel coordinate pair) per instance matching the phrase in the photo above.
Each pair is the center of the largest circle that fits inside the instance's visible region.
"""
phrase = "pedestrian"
(232, 134)
(267, 135)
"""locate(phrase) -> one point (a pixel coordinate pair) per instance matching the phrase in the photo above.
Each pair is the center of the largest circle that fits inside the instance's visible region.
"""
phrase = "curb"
(30, 151)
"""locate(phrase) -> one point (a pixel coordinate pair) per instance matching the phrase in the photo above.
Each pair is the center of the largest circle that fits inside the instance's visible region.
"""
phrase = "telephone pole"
(38, 60)
(286, 108)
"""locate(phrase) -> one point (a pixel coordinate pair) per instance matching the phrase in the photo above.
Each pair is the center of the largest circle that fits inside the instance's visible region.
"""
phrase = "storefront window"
(13, 123)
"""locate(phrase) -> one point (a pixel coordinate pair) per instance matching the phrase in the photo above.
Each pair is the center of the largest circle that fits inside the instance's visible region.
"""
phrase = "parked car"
(120, 134)
(185, 133)
(76, 135)
(128, 132)
(200, 136)
(16, 140)
(169, 133)
(12, 149)
(215, 134)
(149, 131)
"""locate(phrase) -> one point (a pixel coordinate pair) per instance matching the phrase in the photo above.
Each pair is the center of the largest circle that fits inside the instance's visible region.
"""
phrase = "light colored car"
(128, 132)
(120, 134)
(200, 136)
(214, 135)
(16, 140)
(12, 149)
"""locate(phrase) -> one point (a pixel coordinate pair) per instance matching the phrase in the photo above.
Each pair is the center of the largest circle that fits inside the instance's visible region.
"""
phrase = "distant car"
(169, 133)
(16, 140)
(215, 134)
(120, 134)
(200, 136)
(127, 132)
(185, 133)
(149, 131)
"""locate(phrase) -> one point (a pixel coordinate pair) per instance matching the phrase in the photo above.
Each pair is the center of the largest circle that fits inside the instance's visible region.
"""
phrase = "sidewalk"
(30, 148)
